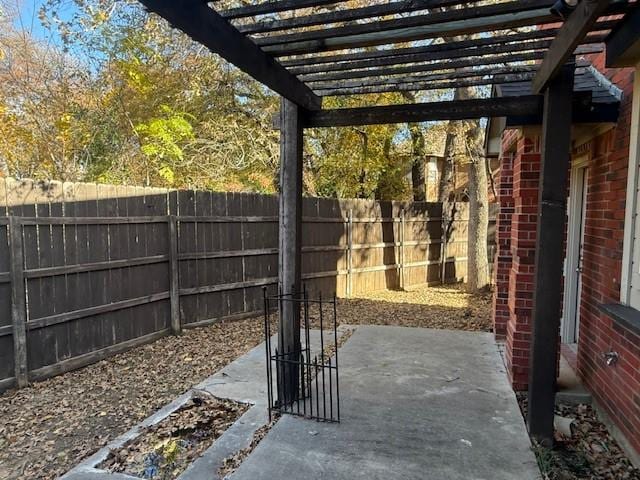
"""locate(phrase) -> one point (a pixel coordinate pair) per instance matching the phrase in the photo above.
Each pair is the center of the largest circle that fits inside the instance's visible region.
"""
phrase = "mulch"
(49, 427)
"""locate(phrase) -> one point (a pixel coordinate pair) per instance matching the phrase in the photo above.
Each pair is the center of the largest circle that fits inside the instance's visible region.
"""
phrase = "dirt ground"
(49, 427)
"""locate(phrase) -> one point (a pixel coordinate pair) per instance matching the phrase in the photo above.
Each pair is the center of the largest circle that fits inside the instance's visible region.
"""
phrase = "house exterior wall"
(616, 388)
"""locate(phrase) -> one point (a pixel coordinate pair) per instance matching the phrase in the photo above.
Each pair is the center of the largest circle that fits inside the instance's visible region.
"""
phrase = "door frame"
(576, 214)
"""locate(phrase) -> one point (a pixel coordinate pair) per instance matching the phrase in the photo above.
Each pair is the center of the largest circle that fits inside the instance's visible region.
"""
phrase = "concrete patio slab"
(416, 404)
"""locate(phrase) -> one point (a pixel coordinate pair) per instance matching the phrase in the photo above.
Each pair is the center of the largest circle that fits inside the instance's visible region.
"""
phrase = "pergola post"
(547, 299)
(290, 243)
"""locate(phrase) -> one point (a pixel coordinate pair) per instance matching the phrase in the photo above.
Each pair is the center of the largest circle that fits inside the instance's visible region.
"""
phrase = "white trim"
(632, 193)
(578, 187)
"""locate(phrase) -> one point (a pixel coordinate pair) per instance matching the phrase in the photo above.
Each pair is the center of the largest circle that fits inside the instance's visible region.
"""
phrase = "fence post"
(402, 223)
(18, 302)
(174, 277)
(350, 254)
(443, 245)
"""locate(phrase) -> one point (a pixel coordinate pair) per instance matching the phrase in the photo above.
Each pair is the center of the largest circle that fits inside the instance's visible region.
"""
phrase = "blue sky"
(28, 19)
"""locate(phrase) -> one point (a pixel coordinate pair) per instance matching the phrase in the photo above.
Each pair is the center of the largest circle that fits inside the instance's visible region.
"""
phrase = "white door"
(576, 214)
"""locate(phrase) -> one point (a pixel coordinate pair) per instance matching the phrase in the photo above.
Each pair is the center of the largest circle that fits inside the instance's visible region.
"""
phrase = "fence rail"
(83, 280)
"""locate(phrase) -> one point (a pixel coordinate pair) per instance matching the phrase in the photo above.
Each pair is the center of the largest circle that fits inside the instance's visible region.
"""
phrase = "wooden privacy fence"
(82, 280)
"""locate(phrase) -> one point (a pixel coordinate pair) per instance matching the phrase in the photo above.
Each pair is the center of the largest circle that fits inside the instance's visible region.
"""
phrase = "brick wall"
(616, 388)
(502, 259)
(526, 172)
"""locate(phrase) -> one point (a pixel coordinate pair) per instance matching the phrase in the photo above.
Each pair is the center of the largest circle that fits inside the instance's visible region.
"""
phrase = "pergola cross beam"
(568, 38)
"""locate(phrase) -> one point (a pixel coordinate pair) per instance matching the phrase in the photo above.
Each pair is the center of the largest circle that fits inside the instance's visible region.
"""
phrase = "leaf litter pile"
(166, 449)
(49, 427)
(584, 450)
(447, 307)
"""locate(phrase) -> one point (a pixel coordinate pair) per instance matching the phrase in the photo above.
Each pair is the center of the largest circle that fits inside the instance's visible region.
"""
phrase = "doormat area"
(163, 451)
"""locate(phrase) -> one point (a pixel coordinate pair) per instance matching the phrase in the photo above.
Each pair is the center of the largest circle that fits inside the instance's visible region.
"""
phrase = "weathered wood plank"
(284, 45)
(461, 110)
(623, 45)
(568, 38)
(345, 15)
(547, 300)
(176, 326)
(18, 303)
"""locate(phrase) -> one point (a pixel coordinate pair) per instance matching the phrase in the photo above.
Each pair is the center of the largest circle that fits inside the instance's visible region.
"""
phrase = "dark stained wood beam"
(550, 33)
(569, 37)
(487, 50)
(422, 112)
(549, 257)
(623, 45)
(413, 86)
(459, 15)
(425, 67)
(204, 25)
(346, 15)
(420, 32)
(267, 8)
(430, 77)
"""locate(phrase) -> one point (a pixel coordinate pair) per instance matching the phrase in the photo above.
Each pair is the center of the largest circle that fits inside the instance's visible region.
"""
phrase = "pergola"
(386, 47)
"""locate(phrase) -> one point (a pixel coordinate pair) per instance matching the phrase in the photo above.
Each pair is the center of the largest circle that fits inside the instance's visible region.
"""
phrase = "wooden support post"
(290, 238)
(18, 303)
(174, 276)
(350, 254)
(402, 225)
(556, 156)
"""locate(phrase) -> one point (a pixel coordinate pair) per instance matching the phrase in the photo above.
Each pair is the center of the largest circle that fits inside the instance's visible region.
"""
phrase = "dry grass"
(49, 427)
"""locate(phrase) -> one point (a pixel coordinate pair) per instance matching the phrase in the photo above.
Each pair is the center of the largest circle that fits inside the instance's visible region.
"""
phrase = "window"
(630, 291)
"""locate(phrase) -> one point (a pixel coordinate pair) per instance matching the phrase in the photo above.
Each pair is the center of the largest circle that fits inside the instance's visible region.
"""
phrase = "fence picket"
(120, 266)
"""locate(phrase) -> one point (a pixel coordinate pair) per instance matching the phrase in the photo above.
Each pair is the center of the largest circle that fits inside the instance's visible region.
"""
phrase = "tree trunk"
(478, 261)
(418, 181)
(478, 257)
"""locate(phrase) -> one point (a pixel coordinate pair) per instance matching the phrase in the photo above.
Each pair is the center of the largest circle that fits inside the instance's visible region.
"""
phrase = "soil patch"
(165, 450)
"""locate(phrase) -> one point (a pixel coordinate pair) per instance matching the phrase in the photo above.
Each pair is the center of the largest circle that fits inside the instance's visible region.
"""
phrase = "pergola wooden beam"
(346, 15)
(481, 46)
(204, 25)
(430, 77)
(277, 6)
(549, 256)
(414, 21)
(425, 86)
(568, 38)
(419, 56)
(422, 112)
(422, 32)
(623, 45)
(317, 60)
(425, 67)
(290, 245)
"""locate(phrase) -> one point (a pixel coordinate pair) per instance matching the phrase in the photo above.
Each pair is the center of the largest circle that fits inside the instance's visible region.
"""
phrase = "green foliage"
(129, 100)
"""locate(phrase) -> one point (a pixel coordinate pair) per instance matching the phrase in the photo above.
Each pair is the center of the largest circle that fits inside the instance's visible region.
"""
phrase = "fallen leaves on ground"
(51, 426)
(447, 307)
(589, 453)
